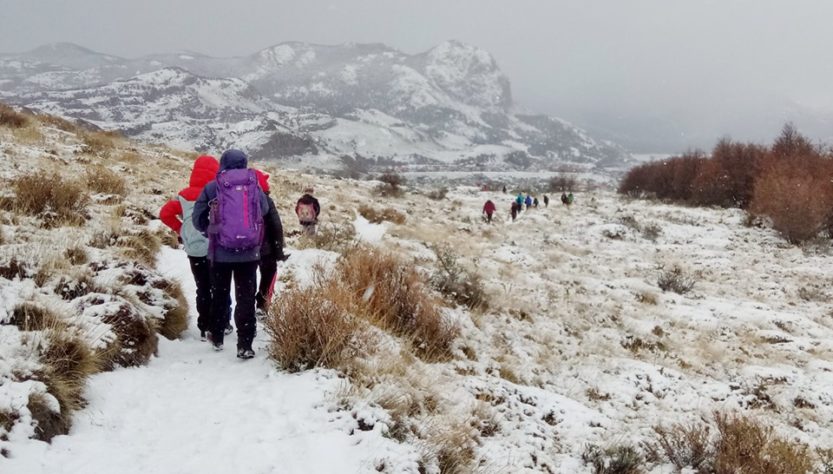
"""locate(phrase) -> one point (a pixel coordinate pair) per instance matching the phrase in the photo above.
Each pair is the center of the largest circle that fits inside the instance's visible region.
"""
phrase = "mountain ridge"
(449, 104)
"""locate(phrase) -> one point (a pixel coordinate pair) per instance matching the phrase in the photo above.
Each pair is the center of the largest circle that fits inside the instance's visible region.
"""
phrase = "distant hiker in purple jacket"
(231, 210)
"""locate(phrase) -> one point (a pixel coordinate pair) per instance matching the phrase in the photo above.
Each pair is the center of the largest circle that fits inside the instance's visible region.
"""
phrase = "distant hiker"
(504, 189)
(177, 214)
(489, 209)
(515, 209)
(546, 201)
(570, 199)
(564, 199)
(519, 200)
(271, 251)
(535, 202)
(231, 211)
(528, 201)
(307, 209)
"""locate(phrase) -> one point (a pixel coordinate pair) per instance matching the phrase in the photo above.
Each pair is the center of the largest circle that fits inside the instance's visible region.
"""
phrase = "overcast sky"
(657, 73)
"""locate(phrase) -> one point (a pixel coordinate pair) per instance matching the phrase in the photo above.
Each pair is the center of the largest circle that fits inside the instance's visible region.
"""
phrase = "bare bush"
(76, 255)
(562, 183)
(392, 183)
(99, 143)
(684, 446)
(797, 195)
(333, 237)
(620, 459)
(676, 279)
(141, 247)
(456, 282)
(136, 339)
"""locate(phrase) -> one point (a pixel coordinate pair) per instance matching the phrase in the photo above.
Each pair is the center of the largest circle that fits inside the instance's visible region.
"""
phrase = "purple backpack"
(238, 220)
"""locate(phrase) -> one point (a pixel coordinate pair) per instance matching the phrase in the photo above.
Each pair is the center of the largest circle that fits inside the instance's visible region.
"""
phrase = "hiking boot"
(245, 353)
(228, 329)
(217, 345)
(203, 338)
(260, 314)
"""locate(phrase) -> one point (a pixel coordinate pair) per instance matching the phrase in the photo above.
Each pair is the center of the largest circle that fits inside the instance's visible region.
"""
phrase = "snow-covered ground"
(579, 344)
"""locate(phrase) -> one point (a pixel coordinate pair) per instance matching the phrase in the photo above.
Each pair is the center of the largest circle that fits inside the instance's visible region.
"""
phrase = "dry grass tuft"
(168, 238)
(99, 143)
(10, 118)
(55, 199)
(388, 214)
(30, 316)
(141, 247)
(683, 446)
(76, 255)
(394, 296)
(14, 268)
(333, 237)
(136, 339)
(453, 447)
(105, 181)
(68, 363)
(312, 327)
(176, 316)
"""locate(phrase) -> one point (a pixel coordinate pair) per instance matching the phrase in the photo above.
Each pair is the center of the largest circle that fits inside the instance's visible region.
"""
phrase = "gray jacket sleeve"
(201, 212)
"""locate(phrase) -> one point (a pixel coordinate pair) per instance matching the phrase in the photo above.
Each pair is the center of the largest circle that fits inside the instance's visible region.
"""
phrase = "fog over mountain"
(652, 75)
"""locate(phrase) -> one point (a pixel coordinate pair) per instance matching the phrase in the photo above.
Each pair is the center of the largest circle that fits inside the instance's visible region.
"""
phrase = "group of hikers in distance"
(230, 229)
(520, 203)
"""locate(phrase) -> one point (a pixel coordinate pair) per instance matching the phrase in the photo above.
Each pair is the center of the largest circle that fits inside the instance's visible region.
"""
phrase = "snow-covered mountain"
(448, 108)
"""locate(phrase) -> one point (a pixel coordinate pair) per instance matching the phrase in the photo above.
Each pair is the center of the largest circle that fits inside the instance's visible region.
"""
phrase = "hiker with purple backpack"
(231, 210)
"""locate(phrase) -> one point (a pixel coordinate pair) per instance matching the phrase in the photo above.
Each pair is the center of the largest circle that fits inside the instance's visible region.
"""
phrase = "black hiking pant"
(245, 286)
(268, 271)
(201, 269)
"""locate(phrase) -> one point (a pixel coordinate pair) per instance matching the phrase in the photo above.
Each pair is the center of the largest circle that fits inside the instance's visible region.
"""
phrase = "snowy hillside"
(310, 105)
(574, 345)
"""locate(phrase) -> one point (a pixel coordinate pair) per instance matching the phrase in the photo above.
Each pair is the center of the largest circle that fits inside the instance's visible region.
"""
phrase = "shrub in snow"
(51, 197)
(395, 296)
(312, 327)
(456, 282)
(738, 445)
(620, 459)
(10, 118)
(376, 217)
(102, 180)
(141, 246)
(30, 316)
(438, 194)
(391, 186)
(332, 237)
(135, 337)
(675, 279)
(76, 255)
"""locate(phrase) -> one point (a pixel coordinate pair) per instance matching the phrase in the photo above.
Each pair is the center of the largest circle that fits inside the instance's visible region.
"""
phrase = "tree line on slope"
(789, 183)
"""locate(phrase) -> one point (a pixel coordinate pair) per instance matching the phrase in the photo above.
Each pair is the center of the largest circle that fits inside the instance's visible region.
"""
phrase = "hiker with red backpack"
(230, 211)
(177, 214)
(307, 210)
(271, 251)
(489, 209)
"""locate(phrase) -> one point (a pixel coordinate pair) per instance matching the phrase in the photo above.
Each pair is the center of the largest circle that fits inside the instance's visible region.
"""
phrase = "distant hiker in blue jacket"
(231, 211)
(528, 201)
(519, 200)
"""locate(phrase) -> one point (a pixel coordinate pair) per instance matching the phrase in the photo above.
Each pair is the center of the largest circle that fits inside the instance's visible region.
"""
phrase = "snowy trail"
(195, 411)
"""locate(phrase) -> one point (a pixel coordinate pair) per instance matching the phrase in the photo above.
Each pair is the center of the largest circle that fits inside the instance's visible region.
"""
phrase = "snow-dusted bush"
(333, 237)
(618, 459)
(675, 279)
(738, 445)
(141, 246)
(391, 186)
(395, 296)
(135, 336)
(52, 197)
(456, 282)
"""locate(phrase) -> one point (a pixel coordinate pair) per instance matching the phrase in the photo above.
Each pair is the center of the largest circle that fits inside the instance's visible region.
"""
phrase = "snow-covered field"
(579, 346)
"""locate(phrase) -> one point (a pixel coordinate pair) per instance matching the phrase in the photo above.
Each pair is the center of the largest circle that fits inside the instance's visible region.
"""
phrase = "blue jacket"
(231, 159)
